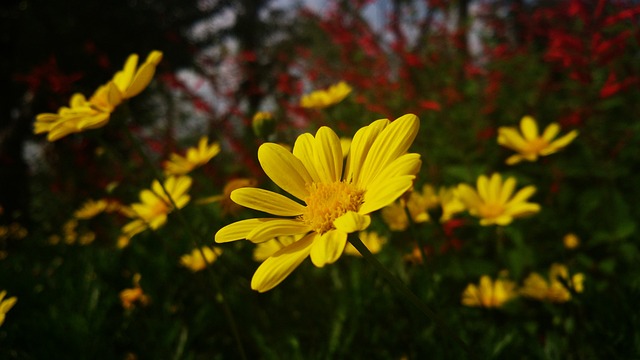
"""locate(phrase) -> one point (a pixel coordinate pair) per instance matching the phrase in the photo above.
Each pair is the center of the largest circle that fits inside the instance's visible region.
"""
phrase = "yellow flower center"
(327, 202)
(159, 208)
(491, 210)
(536, 145)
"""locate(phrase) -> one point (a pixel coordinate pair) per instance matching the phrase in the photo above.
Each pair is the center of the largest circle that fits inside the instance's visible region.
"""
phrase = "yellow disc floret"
(328, 201)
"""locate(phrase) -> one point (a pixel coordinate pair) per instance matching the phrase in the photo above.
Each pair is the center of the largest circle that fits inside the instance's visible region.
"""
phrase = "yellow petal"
(303, 149)
(392, 142)
(351, 222)
(360, 145)
(238, 230)
(123, 78)
(328, 247)
(468, 196)
(513, 159)
(561, 142)
(407, 164)
(279, 265)
(493, 190)
(284, 169)
(385, 193)
(550, 132)
(266, 201)
(328, 155)
(276, 227)
(483, 187)
(141, 80)
(529, 128)
(523, 194)
(507, 190)
(509, 137)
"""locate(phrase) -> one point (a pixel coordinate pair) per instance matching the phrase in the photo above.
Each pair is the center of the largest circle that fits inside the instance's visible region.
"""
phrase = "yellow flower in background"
(228, 206)
(489, 293)
(5, 305)
(263, 124)
(92, 208)
(529, 144)
(83, 115)
(571, 241)
(395, 216)
(79, 116)
(338, 197)
(553, 290)
(129, 297)
(264, 250)
(371, 240)
(323, 98)
(154, 206)
(196, 156)
(494, 201)
(419, 203)
(195, 262)
(450, 203)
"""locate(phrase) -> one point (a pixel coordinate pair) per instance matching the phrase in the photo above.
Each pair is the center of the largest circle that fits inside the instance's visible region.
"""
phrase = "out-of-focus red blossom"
(612, 86)
(248, 56)
(486, 133)
(626, 14)
(430, 105)
(48, 77)
(449, 227)
(201, 105)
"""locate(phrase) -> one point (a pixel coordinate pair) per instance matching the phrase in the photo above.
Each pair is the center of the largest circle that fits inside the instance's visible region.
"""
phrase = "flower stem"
(399, 286)
(197, 241)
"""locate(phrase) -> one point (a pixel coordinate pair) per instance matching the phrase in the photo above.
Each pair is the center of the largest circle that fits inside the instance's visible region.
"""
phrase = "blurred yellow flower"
(84, 115)
(529, 144)
(371, 240)
(323, 98)
(395, 216)
(571, 241)
(92, 208)
(5, 305)
(195, 262)
(154, 206)
(378, 170)
(536, 287)
(263, 124)
(493, 202)
(488, 293)
(129, 297)
(450, 203)
(196, 156)
(419, 203)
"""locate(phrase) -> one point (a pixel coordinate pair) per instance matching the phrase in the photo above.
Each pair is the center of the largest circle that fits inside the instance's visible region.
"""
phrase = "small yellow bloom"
(536, 287)
(395, 216)
(571, 241)
(371, 240)
(450, 203)
(129, 297)
(95, 113)
(196, 156)
(263, 124)
(154, 206)
(91, 209)
(334, 198)
(529, 145)
(5, 305)
(488, 293)
(493, 202)
(195, 262)
(420, 203)
(323, 98)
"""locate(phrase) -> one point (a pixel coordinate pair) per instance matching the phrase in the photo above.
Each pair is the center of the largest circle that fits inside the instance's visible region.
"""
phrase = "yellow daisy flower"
(371, 240)
(337, 198)
(84, 115)
(571, 241)
(395, 216)
(154, 206)
(450, 203)
(493, 202)
(5, 305)
(419, 203)
(129, 297)
(489, 293)
(323, 98)
(529, 145)
(196, 156)
(195, 262)
(538, 288)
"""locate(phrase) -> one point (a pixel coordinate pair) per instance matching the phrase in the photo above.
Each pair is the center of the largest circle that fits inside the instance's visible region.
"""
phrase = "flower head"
(553, 290)
(5, 305)
(194, 261)
(129, 297)
(333, 198)
(83, 115)
(92, 208)
(196, 156)
(154, 206)
(489, 293)
(529, 145)
(493, 202)
(571, 241)
(323, 98)
(395, 216)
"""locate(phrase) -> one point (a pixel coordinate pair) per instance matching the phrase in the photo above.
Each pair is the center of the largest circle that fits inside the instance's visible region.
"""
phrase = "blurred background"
(465, 67)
